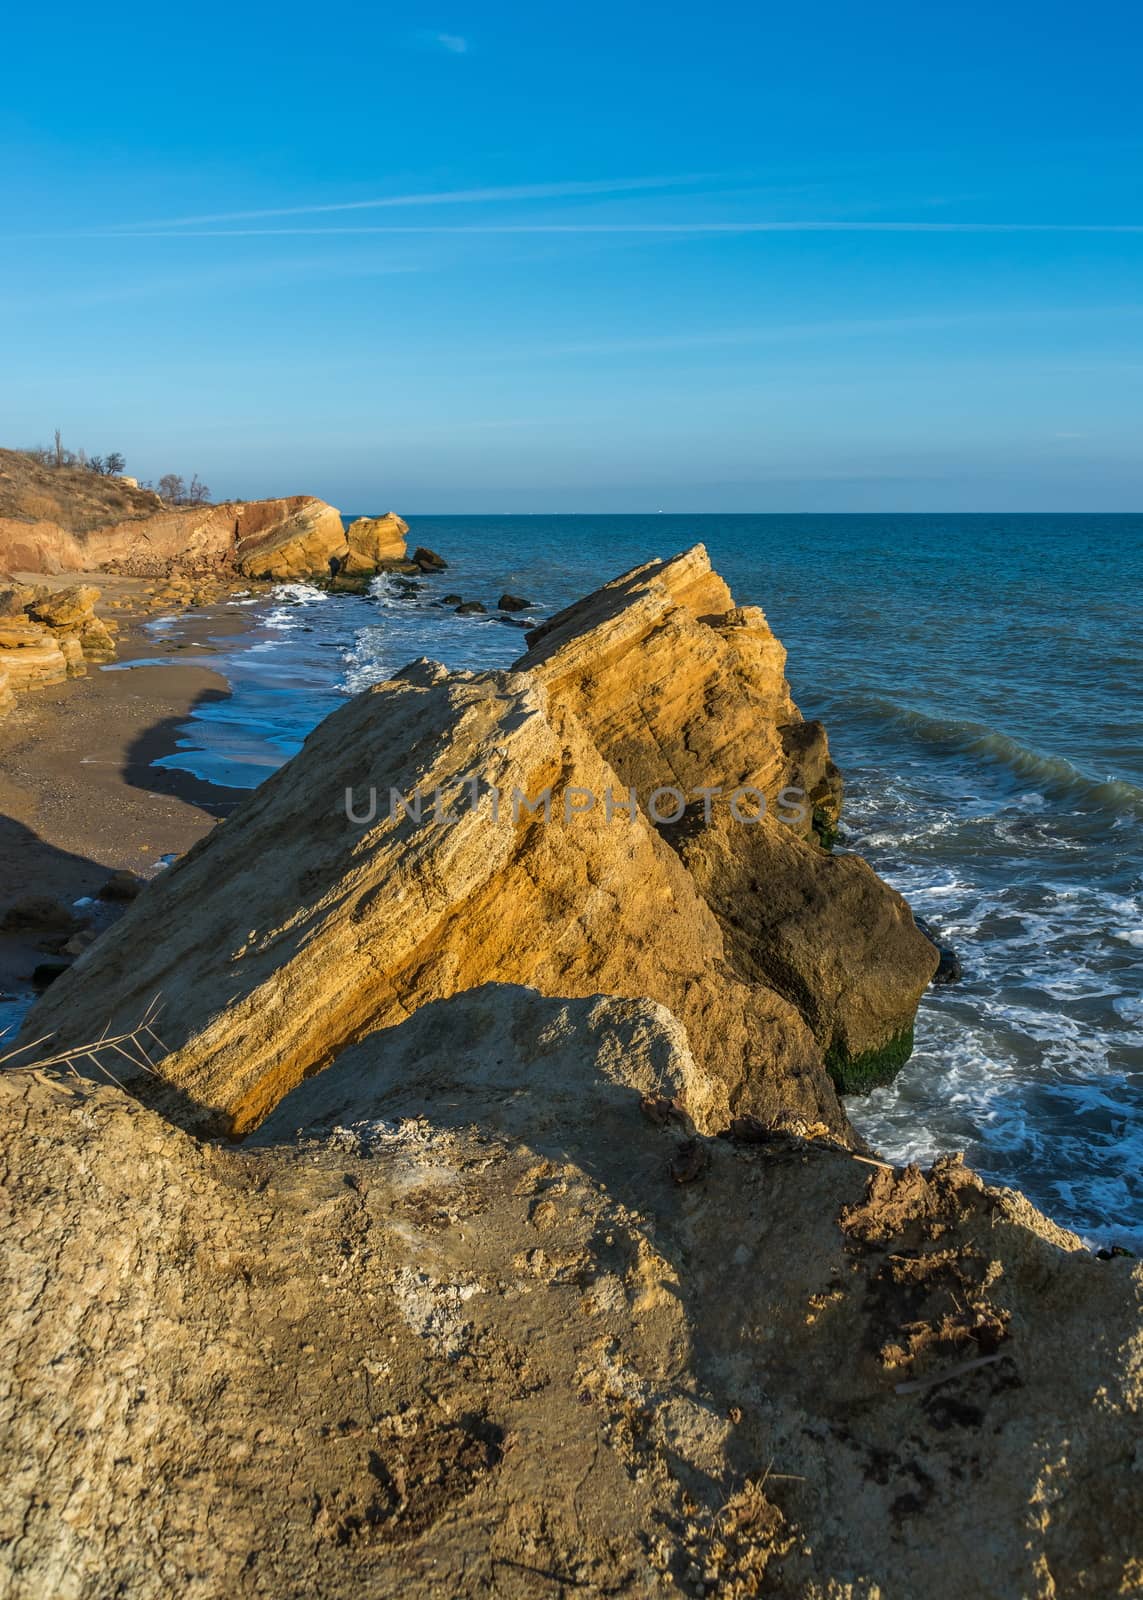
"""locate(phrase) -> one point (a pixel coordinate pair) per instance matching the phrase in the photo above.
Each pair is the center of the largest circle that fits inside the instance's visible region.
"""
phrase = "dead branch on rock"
(133, 1046)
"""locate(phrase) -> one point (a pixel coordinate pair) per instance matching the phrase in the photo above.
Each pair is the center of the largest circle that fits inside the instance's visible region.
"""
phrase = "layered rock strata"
(284, 540)
(510, 838)
(683, 690)
(47, 638)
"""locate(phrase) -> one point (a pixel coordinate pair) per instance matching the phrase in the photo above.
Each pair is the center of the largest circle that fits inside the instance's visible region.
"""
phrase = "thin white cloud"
(442, 197)
(454, 43)
(182, 228)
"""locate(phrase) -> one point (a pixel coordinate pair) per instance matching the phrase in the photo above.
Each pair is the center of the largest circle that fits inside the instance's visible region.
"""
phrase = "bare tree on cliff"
(172, 488)
(59, 449)
(198, 494)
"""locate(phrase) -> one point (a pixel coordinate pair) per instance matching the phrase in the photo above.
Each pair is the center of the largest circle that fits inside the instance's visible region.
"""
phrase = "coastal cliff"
(548, 1256)
(54, 522)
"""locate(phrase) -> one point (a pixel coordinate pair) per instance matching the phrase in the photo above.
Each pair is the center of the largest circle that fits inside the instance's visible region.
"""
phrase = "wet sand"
(79, 796)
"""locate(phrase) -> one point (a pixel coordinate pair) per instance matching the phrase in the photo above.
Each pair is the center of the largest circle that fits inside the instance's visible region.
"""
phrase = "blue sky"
(508, 258)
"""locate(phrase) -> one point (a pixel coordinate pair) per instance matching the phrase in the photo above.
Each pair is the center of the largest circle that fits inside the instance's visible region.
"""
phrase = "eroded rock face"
(291, 929)
(373, 541)
(471, 1328)
(294, 928)
(296, 537)
(46, 638)
(288, 540)
(32, 657)
(682, 689)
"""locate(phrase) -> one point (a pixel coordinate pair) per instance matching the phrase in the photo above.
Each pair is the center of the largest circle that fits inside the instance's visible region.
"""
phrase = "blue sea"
(980, 680)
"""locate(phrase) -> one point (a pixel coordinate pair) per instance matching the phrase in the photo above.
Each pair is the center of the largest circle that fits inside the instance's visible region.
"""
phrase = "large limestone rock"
(67, 610)
(676, 683)
(474, 1335)
(31, 654)
(373, 541)
(682, 689)
(291, 929)
(47, 637)
(287, 540)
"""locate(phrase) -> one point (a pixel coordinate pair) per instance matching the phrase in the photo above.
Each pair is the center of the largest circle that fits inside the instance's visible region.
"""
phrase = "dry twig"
(132, 1046)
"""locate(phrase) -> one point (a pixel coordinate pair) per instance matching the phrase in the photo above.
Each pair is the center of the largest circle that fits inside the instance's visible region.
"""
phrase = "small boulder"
(949, 969)
(69, 609)
(471, 608)
(15, 598)
(47, 972)
(513, 602)
(122, 887)
(428, 560)
(40, 914)
(452, 600)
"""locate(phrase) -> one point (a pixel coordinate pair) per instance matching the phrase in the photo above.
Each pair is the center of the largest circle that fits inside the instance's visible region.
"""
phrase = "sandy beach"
(79, 796)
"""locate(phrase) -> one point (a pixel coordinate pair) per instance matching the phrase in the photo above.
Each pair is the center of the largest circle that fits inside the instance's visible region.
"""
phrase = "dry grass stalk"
(132, 1046)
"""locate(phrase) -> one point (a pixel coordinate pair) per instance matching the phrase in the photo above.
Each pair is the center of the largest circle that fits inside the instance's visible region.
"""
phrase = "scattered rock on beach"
(512, 602)
(40, 914)
(47, 972)
(67, 609)
(122, 887)
(428, 560)
(471, 608)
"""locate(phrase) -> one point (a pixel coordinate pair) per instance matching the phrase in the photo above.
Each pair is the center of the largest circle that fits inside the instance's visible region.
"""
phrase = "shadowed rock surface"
(469, 1337)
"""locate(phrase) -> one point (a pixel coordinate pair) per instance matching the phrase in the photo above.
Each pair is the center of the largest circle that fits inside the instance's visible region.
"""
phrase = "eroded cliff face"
(284, 540)
(499, 1322)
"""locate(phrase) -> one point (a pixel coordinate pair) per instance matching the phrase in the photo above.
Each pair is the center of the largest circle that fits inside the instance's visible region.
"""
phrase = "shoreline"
(80, 794)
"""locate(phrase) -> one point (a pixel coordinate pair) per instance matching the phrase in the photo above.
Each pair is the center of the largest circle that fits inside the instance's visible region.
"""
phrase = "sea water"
(980, 680)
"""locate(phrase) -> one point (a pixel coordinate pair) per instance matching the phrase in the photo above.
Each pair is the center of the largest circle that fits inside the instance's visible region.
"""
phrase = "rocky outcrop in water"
(683, 691)
(442, 831)
(374, 542)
